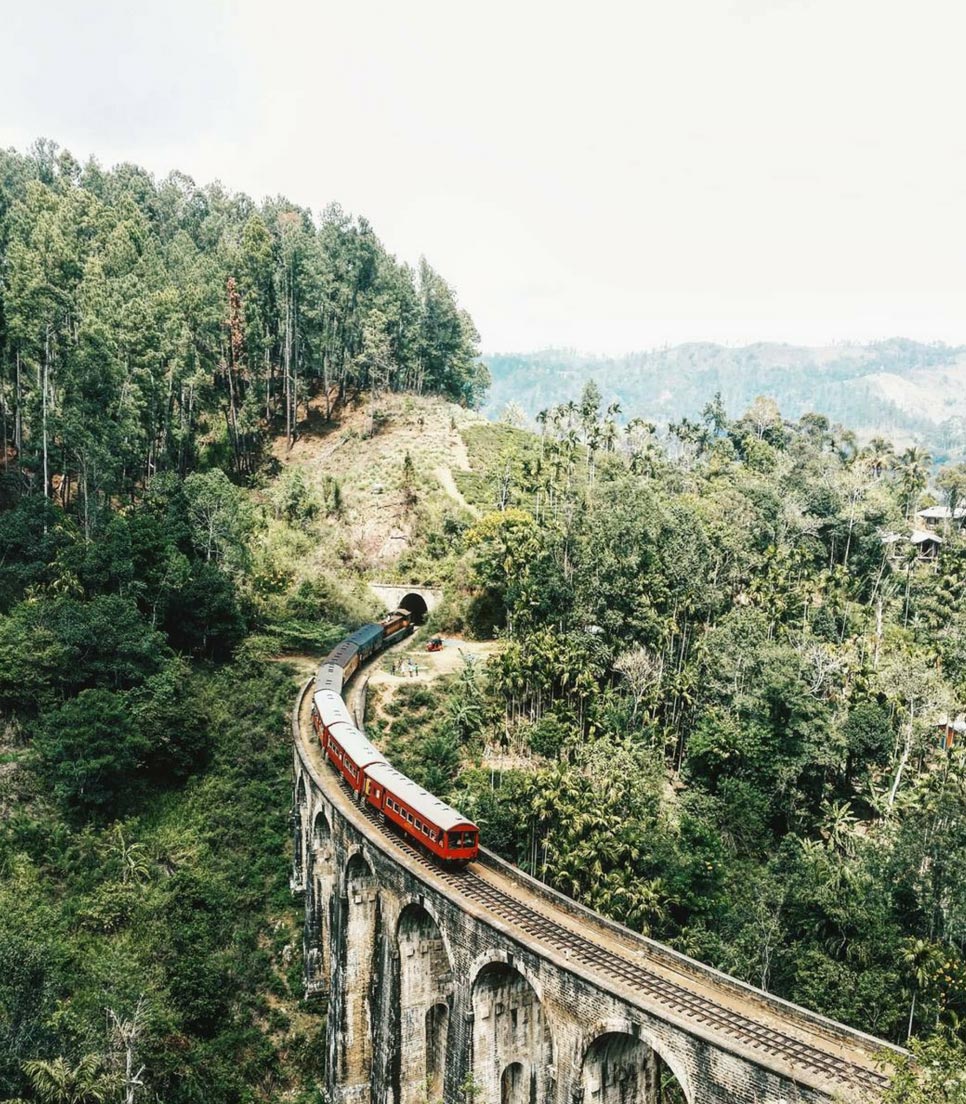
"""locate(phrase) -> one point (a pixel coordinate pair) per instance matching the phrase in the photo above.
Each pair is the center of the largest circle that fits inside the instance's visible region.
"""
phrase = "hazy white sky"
(604, 175)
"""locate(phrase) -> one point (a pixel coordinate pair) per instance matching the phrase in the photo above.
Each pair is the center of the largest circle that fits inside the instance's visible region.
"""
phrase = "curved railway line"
(813, 1050)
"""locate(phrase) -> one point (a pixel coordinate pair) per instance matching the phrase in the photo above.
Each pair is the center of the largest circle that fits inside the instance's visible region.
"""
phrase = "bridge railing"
(682, 964)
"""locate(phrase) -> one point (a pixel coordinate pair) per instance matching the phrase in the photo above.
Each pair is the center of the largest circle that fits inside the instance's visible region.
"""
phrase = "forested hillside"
(906, 391)
(151, 326)
(714, 712)
(161, 346)
(719, 712)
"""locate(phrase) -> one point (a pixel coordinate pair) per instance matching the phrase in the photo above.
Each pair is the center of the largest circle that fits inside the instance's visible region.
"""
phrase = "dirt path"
(448, 483)
(399, 667)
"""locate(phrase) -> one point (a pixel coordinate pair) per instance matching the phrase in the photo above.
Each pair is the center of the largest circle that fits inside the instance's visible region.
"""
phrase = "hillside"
(898, 389)
(168, 568)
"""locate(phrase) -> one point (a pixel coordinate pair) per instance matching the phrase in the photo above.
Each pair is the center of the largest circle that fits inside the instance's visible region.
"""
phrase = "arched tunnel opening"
(416, 604)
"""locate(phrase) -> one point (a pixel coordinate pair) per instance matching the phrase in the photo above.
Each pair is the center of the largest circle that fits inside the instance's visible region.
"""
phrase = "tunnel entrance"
(416, 604)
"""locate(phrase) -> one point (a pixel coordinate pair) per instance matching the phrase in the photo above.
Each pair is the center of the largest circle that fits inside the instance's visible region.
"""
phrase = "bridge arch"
(354, 856)
(425, 989)
(299, 814)
(512, 1049)
(622, 1063)
(499, 957)
(319, 882)
(321, 830)
(513, 1086)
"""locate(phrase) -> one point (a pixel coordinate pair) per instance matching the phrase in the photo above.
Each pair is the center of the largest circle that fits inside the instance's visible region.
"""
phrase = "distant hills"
(904, 390)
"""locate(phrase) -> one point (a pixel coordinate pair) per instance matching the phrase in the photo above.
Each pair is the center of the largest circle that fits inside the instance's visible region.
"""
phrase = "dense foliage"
(145, 326)
(716, 712)
(156, 339)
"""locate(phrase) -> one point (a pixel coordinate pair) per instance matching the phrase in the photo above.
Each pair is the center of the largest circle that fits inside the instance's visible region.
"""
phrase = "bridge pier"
(425, 986)
(320, 882)
(359, 908)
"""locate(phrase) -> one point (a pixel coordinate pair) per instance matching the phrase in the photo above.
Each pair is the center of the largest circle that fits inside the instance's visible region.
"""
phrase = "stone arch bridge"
(487, 987)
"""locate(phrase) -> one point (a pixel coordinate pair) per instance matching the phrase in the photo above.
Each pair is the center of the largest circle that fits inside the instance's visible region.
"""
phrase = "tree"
(642, 671)
(220, 518)
(878, 456)
(913, 473)
(933, 1075)
(56, 1082)
(951, 480)
(91, 751)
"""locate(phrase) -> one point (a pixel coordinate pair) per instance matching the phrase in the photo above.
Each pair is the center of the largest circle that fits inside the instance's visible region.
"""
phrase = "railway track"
(629, 968)
(602, 961)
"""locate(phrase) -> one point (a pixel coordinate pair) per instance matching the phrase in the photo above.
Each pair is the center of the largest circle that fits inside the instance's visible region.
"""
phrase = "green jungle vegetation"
(156, 338)
(713, 715)
(716, 712)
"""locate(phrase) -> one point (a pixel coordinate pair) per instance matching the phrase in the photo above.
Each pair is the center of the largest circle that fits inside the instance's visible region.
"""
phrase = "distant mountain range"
(904, 390)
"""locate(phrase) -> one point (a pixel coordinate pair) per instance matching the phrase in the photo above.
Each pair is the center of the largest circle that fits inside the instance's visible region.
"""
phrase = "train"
(445, 833)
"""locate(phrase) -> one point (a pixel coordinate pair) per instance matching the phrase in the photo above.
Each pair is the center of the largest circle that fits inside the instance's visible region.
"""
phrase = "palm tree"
(54, 1082)
(914, 466)
(878, 455)
(918, 957)
(838, 826)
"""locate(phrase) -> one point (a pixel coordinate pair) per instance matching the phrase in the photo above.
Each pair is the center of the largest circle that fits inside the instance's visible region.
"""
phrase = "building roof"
(920, 536)
(430, 808)
(942, 513)
(331, 708)
(958, 725)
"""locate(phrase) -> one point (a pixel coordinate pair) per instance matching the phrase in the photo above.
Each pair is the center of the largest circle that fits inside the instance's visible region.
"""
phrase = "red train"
(441, 830)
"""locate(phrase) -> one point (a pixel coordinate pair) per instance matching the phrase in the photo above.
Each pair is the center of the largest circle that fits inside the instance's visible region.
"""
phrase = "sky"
(603, 176)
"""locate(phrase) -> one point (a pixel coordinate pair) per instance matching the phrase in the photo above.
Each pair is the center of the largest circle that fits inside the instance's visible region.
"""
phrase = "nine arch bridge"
(484, 985)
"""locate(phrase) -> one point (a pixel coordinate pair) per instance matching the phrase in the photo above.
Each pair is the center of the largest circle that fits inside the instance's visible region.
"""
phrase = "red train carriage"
(440, 829)
(328, 708)
(350, 753)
